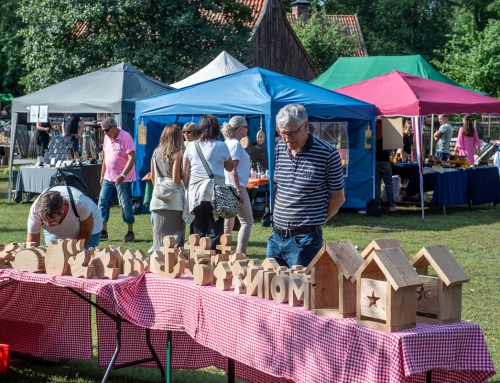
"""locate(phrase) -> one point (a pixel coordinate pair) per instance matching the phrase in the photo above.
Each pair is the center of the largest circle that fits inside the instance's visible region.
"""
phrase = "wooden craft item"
(239, 285)
(266, 279)
(140, 254)
(236, 257)
(74, 246)
(104, 263)
(139, 265)
(298, 291)
(270, 264)
(382, 243)
(239, 268)
(261, 136)
(157, 263)
(194, 244)
(245, 142)
(203, 272)
(217, 258)
(279, 288)
(56, 258)
(175, 263)
(225, 244)
(223, 275)
(254, 263)
(439, 300)
(31, 260)
(7, 251)
(80, 265)
(205, 244)
(119, 251)
(253, 280)
(128, 263)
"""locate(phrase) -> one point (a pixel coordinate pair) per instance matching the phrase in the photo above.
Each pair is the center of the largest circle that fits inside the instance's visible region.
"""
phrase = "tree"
(325, 40)
(167, 39)
(471, 57)
(11, 68)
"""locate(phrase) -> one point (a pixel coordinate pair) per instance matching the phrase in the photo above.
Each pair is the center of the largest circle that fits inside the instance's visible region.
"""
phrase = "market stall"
(399, 94)
(259, 94)
(110, 90)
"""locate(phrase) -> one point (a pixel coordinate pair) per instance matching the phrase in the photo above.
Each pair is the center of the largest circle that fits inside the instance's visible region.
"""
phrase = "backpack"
(62, 178)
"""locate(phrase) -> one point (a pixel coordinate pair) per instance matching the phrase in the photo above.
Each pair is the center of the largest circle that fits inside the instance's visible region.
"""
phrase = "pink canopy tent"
(401, 94)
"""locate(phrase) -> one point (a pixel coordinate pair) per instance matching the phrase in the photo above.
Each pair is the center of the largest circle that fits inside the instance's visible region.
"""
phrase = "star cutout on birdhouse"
(373, 299)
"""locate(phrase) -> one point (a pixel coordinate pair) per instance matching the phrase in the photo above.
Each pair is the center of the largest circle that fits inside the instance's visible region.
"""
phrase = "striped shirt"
(304, 183)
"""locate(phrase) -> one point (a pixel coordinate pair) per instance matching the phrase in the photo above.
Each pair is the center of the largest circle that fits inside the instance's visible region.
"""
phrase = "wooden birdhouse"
(385, 286)
(439, 300)
(381, 243)
(333, 294)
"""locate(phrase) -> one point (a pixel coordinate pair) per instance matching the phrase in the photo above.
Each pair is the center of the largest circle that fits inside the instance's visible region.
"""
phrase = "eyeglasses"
(186, 132)
(53, 222)
(107, 130)
(291, 134)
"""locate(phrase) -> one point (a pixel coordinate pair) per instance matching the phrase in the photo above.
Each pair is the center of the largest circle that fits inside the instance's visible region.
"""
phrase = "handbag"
(164, 189)
(226, 198)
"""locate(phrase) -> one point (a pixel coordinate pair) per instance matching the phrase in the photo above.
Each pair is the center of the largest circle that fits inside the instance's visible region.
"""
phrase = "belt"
(285, 233)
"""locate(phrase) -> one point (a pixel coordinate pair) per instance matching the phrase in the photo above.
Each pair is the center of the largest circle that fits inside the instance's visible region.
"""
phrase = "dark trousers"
(43, 141)
(205, 225)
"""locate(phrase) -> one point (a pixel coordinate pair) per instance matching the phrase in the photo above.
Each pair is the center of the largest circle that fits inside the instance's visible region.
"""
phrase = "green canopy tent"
(350, 70)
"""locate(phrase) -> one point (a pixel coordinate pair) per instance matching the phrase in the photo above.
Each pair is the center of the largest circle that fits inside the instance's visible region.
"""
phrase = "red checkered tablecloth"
(273, 342)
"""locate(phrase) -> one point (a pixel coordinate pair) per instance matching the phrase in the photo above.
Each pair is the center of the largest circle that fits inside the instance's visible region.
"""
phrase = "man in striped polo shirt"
(308, 190)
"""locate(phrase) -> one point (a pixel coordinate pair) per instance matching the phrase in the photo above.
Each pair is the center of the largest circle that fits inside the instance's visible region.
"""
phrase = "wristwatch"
(123, 175)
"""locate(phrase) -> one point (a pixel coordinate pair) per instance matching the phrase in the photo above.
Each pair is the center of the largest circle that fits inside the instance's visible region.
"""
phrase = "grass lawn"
(472, 235)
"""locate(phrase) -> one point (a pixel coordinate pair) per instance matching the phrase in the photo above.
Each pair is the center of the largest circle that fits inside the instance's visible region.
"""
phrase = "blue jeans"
(383, 171)
(92, 242)
(444, 156)
(109, 190)
(296, 250)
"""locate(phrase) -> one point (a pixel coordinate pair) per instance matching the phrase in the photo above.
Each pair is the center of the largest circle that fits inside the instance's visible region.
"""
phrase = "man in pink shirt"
(117, 175)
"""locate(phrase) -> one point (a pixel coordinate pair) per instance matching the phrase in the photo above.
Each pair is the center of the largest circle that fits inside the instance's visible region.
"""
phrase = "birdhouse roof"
(441, 259)
(395, 266)
(342, 253)
(381, 243)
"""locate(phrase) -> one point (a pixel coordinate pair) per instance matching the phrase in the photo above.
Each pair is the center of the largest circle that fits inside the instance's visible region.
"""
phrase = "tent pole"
(13, 134)
(432, 134)
(489, 126)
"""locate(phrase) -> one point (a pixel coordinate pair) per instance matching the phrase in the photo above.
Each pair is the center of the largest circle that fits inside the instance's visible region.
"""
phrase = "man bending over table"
(62, 215)
(308, 190)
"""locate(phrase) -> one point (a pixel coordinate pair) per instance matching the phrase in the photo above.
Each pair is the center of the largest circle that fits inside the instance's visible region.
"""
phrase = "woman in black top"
(42, 129)
(407, 141)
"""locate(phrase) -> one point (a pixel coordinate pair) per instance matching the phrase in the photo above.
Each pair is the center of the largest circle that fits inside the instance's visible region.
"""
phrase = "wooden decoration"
(270, 264)
(279, 288)
(56, 258)
(139, 265)
(79, 265)
(333, 293)
(119, 256)
(225, 244)
(140, 254)
(439, 300)
(217, 258)
(266, 279)
(388, 302)
(157, 263)
(204, 247)
(255, 264)
(253, 280)
(223, 275)
(128, 258)
(298, 290)
(7, 251)
(239, 268)
(236, 257)
(175, 264)
(74, 246)
(31, 260)
(239, 285)
(379, 244)
(104, 263)
(194, 244)
(203, 271)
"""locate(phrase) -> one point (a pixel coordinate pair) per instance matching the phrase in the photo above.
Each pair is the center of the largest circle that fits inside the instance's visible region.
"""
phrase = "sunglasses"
(186, 132)
(108, 129)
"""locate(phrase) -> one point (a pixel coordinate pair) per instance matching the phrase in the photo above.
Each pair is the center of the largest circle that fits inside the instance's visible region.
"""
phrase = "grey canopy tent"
(110, 90)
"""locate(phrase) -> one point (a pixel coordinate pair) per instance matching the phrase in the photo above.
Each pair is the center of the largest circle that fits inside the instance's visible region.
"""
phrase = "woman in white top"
(234, 131)
(201, 187)
(53, 212)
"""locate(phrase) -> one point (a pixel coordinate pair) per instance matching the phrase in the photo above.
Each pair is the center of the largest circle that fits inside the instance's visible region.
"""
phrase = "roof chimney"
(301, 8)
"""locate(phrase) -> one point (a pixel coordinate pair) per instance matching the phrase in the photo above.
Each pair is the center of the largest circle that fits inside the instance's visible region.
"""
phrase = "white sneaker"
(362, 212)
(151, 249)
(393, 208)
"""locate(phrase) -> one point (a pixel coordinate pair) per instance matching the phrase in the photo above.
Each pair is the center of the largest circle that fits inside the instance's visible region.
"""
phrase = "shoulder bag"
(226, 198)
(164, 189)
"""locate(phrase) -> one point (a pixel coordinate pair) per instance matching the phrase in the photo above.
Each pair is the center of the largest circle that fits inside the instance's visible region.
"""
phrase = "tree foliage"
(471, 57)
(325, 40)
(11, 68)
(167, 39)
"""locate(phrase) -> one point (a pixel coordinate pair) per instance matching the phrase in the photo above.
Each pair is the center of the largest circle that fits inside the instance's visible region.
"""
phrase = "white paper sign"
(33, 113)
(44, 115)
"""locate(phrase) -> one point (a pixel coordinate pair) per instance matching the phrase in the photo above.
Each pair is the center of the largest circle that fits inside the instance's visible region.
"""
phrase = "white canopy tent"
(222, 65)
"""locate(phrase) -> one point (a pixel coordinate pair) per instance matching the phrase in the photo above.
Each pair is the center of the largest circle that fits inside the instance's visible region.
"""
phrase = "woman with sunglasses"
(62, 216)
(190, 132)
(234, 131)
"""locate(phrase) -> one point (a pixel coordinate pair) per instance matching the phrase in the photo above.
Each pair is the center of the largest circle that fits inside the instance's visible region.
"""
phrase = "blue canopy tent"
(259, 94)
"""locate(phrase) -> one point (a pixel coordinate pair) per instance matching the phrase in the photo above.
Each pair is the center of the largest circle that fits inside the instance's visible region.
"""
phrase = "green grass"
(472, 236)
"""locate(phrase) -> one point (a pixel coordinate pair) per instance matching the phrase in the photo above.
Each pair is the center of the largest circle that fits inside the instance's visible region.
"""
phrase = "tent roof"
(253, 91)
(222, 65)
(402, 94)
(350, 70)
(114, 90)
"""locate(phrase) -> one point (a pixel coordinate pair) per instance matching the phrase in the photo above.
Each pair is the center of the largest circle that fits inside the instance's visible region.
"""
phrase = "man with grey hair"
(308, 190)
(117, 175)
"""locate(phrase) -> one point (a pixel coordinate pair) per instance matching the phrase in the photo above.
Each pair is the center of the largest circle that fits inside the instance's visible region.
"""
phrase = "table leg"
(111, 365)
(428, 377)
(444, 209)
(230, 371)
(169, 358)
